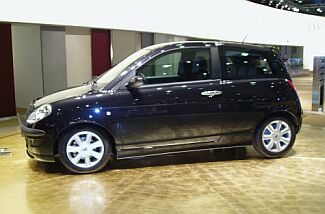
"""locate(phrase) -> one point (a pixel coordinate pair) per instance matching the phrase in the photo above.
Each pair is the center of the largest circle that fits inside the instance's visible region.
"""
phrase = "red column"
(7, 85)
(100, 51)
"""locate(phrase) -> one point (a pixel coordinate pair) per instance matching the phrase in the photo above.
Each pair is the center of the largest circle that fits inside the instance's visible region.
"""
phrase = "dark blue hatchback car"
(169, 98)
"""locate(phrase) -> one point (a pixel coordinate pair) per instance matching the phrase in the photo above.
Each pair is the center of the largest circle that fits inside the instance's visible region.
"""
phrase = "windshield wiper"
(87, 83)
(92, 81)
(93, 84)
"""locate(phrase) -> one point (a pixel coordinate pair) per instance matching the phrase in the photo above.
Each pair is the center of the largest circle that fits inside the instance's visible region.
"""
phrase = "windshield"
(114, 72)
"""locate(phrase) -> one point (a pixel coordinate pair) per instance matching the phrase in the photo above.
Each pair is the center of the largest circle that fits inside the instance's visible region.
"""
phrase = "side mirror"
(135, 82)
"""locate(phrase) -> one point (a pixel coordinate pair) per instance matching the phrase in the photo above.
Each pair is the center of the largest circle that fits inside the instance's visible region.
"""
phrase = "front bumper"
(25, 131)
(39, 145)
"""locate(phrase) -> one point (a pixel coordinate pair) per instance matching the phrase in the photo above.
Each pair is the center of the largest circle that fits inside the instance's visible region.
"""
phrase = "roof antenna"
(244, 39)
(249, 31)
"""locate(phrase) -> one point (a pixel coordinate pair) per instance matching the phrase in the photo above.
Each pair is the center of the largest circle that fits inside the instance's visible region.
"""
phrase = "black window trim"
(222, 49)
(179, 83)
(215, 64)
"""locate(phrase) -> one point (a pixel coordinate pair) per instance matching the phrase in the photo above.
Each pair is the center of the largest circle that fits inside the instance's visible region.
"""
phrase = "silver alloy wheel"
(276, 136)
(85, 149)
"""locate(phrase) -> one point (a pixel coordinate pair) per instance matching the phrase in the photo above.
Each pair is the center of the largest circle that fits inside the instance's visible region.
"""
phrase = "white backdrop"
(218, 19)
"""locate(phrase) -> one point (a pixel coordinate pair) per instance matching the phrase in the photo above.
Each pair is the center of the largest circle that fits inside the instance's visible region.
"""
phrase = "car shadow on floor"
(225, 154)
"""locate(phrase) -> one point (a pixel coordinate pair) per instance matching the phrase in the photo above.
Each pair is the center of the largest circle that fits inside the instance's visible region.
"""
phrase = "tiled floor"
(220, 181)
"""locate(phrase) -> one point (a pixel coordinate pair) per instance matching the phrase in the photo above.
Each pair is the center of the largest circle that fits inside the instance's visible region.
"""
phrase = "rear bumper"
(39, 145)
(299, 125)
(299, 120)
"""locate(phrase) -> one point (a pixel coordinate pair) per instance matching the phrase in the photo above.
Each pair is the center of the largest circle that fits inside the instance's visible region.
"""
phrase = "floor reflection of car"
(169, 98)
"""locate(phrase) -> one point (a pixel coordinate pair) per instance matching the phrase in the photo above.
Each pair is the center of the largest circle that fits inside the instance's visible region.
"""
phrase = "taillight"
(291, 84)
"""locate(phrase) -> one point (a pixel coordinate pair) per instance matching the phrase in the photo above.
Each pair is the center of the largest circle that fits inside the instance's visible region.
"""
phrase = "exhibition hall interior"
(49, 47)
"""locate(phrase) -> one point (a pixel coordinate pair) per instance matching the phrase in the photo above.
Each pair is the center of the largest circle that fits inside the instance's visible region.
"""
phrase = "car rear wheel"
(84, 150)
(275, 137)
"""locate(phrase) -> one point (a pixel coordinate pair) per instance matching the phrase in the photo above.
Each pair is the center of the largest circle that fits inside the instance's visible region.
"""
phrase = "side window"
(276, 63)
(164, 66)
(177, 66)
(244, 64)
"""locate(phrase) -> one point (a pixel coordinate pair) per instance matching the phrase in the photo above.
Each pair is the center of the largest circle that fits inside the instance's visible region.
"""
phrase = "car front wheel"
(84, 150)
(275, 137)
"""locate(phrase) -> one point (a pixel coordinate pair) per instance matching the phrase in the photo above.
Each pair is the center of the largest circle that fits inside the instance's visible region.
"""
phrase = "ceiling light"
(244, 54)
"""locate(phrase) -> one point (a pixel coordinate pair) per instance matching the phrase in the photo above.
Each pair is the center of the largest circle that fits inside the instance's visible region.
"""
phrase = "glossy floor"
(221, 181)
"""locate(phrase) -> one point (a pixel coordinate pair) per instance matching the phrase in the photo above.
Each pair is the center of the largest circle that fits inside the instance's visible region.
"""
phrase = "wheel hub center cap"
(277, 136)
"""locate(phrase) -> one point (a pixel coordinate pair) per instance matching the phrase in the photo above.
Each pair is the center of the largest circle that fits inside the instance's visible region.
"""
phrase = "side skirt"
(138, 154)
(170, 147)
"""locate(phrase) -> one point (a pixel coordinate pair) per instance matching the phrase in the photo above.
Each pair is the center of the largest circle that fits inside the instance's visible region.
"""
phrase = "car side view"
(169, 98)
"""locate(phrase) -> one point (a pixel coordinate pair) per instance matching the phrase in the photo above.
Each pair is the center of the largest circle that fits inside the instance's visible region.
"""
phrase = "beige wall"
(161, 38)
(54, 63)
(179, 38)
(78, 50)
(124, 43)
(29, 73)
(27, 62)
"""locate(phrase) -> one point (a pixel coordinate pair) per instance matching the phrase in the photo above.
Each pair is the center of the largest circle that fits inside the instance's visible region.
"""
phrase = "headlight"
(39, 113)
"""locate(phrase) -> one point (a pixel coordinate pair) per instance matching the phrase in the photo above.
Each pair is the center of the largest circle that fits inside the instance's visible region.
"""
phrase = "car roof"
(182, 44)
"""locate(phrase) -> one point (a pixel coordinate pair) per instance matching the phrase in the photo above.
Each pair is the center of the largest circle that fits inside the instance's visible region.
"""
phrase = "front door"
(177, 108)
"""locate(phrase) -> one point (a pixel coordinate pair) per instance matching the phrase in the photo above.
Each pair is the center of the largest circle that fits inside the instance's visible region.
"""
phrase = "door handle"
(211, 93)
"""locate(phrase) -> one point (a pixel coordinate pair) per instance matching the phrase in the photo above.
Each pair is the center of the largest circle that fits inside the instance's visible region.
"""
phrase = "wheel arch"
(96, 126)
(286, 114)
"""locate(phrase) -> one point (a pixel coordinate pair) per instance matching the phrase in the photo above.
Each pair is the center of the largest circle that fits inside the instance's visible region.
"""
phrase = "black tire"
(260, 145)
(105, 151)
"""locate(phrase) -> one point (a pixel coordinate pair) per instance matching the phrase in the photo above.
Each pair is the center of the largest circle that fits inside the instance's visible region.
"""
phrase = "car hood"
(64, 94)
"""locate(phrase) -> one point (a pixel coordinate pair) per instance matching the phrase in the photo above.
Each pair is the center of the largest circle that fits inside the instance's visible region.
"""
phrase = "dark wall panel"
(147, 39)
(7, 87)
(100, 51)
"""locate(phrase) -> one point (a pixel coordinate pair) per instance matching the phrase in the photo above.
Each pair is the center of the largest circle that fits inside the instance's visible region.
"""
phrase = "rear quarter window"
(276, 63)
(241, 63)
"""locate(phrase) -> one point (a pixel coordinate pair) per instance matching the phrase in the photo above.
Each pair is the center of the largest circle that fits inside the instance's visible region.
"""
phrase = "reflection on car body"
(169, 98)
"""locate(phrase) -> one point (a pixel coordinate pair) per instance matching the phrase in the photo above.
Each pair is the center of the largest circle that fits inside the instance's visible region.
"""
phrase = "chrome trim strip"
(151, 146)
(180, 83)
(178, 142)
